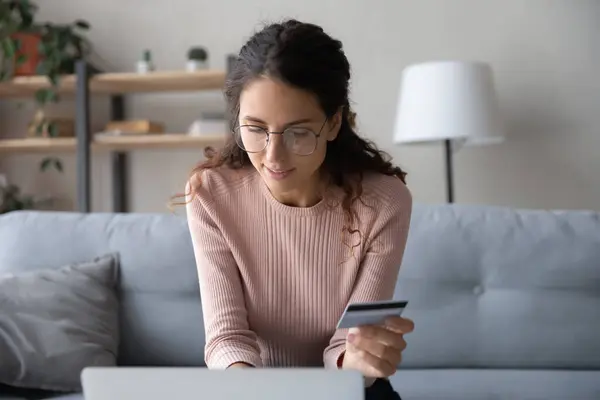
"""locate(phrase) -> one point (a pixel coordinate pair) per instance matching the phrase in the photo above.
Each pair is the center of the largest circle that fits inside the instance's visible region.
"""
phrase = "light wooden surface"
(121, 82)
(37, 145)
(157, 141)
(122, 143)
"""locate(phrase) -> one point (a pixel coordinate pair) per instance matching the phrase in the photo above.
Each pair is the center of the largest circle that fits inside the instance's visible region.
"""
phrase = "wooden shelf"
(121, 82)
(157, 141)
(37, 145)
(110, 143)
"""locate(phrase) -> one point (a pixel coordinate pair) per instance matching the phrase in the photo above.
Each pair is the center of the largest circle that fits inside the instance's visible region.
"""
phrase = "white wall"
(545, 53)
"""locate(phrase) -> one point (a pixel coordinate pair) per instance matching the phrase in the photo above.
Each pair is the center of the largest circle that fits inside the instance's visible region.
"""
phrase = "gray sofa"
(506, 302)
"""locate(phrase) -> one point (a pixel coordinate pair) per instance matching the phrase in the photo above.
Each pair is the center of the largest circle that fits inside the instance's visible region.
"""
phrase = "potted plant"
(30, 48)
(11, 199)
(60, 47)
(197, 59)
(19, 38)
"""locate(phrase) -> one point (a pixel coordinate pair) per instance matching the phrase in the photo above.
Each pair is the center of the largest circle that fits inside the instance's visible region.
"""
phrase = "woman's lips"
(278, 173)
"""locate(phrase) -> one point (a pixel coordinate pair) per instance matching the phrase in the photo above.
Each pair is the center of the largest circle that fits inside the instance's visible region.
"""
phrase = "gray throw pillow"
(55, 322)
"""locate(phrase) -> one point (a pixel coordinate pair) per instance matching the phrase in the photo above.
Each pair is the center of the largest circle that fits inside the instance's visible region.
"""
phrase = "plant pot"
(195, 65)
(29, 47)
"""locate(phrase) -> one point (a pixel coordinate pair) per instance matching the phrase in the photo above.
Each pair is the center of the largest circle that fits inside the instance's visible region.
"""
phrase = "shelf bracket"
(119, 160)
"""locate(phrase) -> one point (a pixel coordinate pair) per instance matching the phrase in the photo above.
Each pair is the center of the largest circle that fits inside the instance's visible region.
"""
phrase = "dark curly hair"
(304, 56)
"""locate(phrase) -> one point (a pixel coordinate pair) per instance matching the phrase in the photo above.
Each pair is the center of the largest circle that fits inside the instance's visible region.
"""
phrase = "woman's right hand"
(376, 350)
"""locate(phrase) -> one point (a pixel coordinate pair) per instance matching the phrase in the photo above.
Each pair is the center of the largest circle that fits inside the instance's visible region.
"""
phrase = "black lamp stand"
(449, 171)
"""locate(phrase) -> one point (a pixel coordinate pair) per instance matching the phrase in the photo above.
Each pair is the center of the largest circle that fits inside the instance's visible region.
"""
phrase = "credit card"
(370, 313)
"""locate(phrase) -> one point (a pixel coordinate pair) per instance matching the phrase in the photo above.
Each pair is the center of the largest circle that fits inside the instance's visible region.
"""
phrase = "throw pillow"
(56, 322)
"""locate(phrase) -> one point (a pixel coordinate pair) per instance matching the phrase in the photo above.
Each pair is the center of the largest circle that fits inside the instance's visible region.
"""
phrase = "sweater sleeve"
(229, 338)
(379, 268)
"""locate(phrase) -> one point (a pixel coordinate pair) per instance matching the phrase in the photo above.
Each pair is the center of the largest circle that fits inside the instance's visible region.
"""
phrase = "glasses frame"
(269, 133)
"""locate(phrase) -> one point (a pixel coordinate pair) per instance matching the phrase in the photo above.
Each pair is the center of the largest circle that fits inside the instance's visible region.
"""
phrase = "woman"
(296, 217)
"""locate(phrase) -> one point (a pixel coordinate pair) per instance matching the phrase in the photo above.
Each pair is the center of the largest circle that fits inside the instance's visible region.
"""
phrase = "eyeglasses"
(254, 139)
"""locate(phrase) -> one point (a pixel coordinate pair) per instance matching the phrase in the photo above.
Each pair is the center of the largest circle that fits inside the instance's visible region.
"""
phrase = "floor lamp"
(453, 102)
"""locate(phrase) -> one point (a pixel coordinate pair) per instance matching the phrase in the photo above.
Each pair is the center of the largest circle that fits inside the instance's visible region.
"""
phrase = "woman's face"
(289, 164)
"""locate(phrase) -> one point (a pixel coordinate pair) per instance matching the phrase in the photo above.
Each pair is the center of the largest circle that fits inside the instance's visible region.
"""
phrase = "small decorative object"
(45, 126)
(208, 124)
(133, 127)
(197, 59)
(145, 64)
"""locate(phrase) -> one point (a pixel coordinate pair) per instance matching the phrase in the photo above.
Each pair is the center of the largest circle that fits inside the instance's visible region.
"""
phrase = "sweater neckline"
(316, 209)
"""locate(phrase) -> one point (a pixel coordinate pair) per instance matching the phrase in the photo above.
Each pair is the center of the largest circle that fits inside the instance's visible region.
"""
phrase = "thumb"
(352, 334)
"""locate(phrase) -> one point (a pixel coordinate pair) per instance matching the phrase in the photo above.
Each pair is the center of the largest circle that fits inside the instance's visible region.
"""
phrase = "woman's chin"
(280, 185)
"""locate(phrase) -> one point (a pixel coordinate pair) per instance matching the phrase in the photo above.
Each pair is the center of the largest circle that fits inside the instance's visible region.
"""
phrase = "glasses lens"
(251, 138)
(300, 141)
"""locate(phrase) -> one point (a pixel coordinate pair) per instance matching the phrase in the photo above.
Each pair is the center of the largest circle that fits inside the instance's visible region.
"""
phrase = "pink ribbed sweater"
(274, 279)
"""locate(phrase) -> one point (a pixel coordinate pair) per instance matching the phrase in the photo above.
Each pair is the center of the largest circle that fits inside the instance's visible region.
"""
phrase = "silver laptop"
(158, 383)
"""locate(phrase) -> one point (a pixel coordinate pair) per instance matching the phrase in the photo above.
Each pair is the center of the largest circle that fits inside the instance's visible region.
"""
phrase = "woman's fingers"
(372, 365)
(380, 343)
(400, 324)
(382, 335)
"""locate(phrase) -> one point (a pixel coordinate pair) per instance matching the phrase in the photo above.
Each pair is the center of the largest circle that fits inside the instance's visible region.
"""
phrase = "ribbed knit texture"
(275, 279)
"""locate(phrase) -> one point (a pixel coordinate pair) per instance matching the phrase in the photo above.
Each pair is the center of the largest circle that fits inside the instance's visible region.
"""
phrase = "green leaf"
(45, 164)
(54, 79)
(42, 48)
(8, 49)
(43, 96)
(51, 162)
(21, 59)
(52, 130)
(82, 24)
(41, 68)
(40, 96)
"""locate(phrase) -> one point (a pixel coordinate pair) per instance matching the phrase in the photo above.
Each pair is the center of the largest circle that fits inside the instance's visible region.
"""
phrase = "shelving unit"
(82, 85)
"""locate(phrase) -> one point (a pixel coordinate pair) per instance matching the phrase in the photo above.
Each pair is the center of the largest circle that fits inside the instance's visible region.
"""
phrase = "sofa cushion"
(496, 384)
(494, 287)
(56, 322)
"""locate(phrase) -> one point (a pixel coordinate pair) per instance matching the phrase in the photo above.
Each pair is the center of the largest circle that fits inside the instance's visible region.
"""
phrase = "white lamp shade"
(448, 100)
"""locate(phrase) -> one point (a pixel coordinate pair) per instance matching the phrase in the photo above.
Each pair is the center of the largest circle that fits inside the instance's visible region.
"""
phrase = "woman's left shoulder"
(387, 190)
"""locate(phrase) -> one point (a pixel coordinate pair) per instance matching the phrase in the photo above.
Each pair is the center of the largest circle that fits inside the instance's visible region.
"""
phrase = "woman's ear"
(334, 124)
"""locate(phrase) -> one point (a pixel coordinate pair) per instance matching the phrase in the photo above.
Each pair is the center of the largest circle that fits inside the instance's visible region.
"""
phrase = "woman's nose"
(276, 150)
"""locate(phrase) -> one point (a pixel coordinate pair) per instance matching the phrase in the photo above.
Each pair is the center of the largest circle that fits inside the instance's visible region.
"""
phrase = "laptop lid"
(159, 383)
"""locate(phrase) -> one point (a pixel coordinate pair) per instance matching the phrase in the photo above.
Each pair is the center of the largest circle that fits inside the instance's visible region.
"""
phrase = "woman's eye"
(301, 133)
(255, 129)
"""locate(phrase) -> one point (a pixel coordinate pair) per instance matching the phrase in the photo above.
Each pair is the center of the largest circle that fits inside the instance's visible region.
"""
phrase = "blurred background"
(545, 57)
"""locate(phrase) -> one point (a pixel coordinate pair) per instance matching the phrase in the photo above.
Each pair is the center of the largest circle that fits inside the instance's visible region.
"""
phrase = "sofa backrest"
(487, 287)
(161, 316)
(491, 287)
